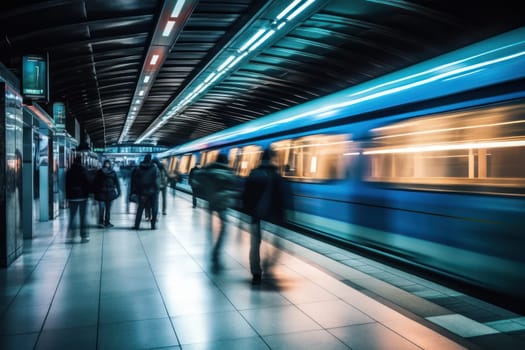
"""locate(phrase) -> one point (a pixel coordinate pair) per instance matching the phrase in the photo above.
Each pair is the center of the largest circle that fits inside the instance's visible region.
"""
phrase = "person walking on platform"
(193, 179)
(77, 192)
(264, 197)
(146, 184)
(164, 181)
(107, 189)
(221, 188)
(126, 171)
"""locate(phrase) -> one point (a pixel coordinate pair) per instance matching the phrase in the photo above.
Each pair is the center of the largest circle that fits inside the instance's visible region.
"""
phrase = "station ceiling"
(225, 62)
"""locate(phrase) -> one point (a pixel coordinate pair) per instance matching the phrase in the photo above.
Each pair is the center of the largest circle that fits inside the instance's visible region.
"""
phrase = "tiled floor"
(156, 289)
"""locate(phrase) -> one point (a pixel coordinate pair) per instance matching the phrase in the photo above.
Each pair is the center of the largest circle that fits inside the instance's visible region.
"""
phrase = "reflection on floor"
(152, 289)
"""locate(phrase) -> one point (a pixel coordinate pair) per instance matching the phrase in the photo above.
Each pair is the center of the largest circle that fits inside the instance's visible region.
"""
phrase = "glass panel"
(250, 158)
(184, 164)
(209, 157)
(193, 161)
(483, 146)
(233, 159)
(315, 157)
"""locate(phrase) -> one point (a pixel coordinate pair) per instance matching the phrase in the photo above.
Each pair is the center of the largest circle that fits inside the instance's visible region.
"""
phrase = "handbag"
(114, 194)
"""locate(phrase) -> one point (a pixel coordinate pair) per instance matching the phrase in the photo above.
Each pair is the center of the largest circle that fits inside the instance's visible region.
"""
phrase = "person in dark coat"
(221, 187)
(193, 179)
(77, 192)
(107, 189)
(146, 185)
(264, 198)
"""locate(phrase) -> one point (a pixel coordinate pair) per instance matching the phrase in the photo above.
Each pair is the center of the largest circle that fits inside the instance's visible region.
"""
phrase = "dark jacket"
(77, 183)
(220, 186)
(266, 194)
(195, 179)
(145, 179)
(106, 186)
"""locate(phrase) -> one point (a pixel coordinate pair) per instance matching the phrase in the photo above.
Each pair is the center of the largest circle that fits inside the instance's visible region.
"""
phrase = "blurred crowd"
(263, 196)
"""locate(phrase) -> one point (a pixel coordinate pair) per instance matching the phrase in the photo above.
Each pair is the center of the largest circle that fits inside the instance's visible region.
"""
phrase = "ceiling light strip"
(172, 18)
(287, 9)
(168, 28)
(262, 40)
(252, 39)
(255, 41)
(300, 9)
(177, 9)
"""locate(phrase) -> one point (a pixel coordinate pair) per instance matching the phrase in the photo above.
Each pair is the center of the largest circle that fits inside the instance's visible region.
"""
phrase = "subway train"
(425, 165)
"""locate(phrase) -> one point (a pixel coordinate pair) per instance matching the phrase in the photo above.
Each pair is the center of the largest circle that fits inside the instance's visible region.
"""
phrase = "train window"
(173, 164)
(481, 147)
(193, 161)
(315, 157)
(184, 164)
(247, 159)
(234, 157)
(208, 157)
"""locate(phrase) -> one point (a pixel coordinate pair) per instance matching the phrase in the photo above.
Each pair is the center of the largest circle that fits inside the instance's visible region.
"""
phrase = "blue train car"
(426, 165)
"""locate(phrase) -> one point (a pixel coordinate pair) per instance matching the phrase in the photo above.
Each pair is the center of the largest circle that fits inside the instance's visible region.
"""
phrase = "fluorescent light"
(252, 39)
(178, 7)
(225, 63)
(137, 102)
(261, 40)
(134, 108)
(217, 77)
(300, 9)
(282, 24)
(154, 59)
(209, 77)
(288, 9)
(146, 78)
(168, 28)
(198, 88)
(141, 93)
(237, 60)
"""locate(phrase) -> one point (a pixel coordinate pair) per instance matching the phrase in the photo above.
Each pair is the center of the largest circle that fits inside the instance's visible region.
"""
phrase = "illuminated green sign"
(59, 114)
(35, 77)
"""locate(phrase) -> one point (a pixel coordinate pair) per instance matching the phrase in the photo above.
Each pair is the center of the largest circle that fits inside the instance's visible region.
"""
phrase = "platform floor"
(156, 289)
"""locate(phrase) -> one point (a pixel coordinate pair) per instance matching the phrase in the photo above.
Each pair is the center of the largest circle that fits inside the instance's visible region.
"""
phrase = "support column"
(43, 170)
(27, 175)
(54, 209)
(11, 150)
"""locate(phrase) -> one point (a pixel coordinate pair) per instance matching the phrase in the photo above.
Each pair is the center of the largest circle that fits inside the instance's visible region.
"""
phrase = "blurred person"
(131, 197)
(77, 192)
(264, 197)
(193, 179)
(176, 178)
(146, 185)
(221, 188)
(164, 181)
(107, 189)
(125, 175)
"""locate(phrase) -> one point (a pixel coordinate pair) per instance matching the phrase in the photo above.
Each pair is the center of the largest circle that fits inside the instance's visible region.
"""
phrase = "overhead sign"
(35, 77)
(59, 115)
